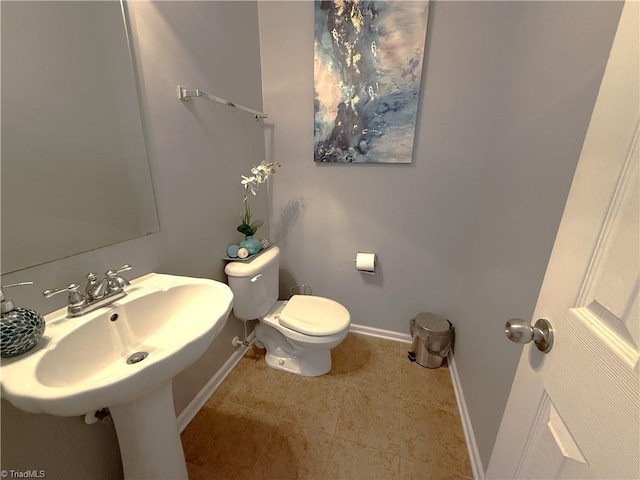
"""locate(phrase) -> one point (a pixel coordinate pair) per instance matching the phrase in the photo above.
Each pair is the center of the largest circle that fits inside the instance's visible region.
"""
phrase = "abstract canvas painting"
(367, 72)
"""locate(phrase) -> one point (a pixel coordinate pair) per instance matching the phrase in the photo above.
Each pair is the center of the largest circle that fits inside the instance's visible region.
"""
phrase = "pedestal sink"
(124, 357)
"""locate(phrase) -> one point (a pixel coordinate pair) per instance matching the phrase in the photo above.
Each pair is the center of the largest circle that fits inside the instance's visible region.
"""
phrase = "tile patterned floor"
(374, 416)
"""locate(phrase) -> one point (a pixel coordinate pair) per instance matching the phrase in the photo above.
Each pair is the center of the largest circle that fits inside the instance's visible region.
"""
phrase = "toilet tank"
(254, 284)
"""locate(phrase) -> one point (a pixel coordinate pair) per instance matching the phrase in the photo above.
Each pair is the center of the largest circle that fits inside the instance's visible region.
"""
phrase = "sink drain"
(137, 357)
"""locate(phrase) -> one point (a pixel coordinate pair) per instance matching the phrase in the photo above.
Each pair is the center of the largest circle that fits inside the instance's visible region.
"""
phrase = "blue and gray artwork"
(367, 69)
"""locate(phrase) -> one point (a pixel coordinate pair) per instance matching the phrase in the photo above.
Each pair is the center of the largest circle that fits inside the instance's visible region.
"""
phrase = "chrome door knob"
(520, 331)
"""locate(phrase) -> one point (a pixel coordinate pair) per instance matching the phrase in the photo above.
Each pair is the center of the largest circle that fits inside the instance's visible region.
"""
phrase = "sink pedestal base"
(148, 435)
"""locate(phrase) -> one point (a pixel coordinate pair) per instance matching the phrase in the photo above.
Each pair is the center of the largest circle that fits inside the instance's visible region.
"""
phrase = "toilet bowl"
(309, 353)
(298, 334)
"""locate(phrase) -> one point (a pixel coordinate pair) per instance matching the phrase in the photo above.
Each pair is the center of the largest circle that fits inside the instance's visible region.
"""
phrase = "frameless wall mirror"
(75, 173)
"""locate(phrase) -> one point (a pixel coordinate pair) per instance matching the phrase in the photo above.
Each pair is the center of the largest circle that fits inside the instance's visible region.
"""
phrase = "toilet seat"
(314, 316)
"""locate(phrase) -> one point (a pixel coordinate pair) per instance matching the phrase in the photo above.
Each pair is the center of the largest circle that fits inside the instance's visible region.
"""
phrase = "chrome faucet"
(96, 294)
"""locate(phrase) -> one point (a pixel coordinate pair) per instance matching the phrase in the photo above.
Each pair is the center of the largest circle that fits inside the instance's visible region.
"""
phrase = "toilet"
(299, 333)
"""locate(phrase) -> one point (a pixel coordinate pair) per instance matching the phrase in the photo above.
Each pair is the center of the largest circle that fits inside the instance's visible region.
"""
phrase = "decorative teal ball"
(232, 251)
(20, 330)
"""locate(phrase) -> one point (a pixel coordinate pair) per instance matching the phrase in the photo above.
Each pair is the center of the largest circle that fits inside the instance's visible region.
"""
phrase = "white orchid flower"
(259, 175)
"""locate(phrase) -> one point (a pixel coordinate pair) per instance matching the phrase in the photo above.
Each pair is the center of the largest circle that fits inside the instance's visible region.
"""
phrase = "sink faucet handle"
(75, 297)
(114, 278)
(124, 268)
(92, 281)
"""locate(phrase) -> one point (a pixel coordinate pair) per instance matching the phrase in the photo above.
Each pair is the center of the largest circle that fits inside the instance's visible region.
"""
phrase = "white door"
(575, 412)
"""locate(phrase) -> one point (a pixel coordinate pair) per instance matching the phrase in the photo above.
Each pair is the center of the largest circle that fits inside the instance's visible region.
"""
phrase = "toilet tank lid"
(315, 316)
(253, 267)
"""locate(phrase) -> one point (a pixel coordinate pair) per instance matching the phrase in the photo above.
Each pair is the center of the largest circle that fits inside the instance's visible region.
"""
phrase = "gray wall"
(465, 230)
(198, 150)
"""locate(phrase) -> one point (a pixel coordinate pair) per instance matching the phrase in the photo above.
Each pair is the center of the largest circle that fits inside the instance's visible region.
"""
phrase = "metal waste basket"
(301, 290)
(432, 337)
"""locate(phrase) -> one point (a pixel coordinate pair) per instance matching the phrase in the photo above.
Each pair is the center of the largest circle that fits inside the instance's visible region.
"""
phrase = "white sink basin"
(80, 364)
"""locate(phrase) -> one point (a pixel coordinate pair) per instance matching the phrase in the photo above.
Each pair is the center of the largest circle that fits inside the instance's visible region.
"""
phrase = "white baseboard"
(470, 439)
(214, 382)
(380, 333)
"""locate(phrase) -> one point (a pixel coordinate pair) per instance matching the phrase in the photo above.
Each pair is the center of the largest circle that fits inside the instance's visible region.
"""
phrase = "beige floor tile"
(371, 418)
(247, 363)
(314, 402)
(416, 470)
(352, 461)
(427, 386)
(262, 388)
(218, 472)
(371, 363)
(234, 437)
(255, 353)
(377, 375)
(197, 427)
(345, 358)
(294, 453)
(384, 349)
(375, 415)
(367, 349)
(435, 436)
